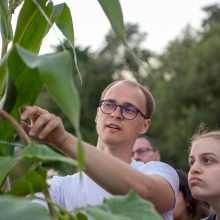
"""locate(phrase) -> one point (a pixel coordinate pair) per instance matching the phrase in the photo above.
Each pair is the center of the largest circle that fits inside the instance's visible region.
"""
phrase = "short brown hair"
(149, 139)
(150, 103)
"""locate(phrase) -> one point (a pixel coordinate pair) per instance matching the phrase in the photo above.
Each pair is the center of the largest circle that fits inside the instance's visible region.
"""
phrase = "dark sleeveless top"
(210, 217)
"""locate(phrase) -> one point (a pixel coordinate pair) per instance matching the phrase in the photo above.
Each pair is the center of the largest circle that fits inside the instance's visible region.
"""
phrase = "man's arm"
(114, 175)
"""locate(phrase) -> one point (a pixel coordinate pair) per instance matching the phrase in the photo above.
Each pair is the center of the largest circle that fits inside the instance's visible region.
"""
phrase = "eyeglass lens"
(141, 151)
(128, 112)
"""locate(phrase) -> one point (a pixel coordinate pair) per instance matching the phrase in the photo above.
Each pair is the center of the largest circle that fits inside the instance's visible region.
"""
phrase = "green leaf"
(56, 72)
(11, 95)
(5, 22)
(81, 216)
(3, 74)
(128, 207)
(6, 164)
(26, 79)
(26, 84)
(60, 83)
(63, 20)
(35, 19)
(33, 181)
(42, 153)
(114, 14)
(20, 208)
(32, 26)
(30, 30)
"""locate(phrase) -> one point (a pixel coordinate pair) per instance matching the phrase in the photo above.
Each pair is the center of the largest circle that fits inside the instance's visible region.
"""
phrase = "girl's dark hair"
(184, 188)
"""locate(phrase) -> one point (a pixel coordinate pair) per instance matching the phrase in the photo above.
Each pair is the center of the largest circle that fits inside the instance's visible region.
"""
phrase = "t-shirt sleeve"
(162, 169)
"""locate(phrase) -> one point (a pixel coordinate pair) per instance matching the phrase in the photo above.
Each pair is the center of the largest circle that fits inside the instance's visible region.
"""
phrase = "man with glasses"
(145, 150)
(124, 112)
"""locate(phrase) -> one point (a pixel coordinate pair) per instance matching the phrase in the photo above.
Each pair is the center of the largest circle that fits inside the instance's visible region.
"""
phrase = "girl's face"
(204, 173)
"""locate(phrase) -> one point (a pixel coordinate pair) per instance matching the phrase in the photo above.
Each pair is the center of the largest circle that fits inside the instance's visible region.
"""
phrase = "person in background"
(188, 208)
(145, 150)
(204, 173)
(51, 172)
(109, 169)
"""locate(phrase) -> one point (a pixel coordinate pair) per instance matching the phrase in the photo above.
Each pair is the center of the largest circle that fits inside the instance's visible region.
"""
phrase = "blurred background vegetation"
(184, 80)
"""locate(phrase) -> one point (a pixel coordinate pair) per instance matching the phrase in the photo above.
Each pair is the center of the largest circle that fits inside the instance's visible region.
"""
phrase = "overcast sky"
(162, 20)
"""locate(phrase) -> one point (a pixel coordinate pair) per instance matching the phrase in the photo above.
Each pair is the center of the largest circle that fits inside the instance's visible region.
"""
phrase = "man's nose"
(117, 113)
(135, 156)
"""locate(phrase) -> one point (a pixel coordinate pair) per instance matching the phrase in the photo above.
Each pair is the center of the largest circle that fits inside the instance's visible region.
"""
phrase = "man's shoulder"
(154, 167)
(150, 165)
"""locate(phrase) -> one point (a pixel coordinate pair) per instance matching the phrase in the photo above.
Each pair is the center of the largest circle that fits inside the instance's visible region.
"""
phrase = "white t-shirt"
(75, 191)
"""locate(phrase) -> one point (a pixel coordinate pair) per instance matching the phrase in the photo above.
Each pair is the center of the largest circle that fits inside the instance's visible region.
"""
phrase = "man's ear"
(157, 157)
(145, 126)
(96, 117)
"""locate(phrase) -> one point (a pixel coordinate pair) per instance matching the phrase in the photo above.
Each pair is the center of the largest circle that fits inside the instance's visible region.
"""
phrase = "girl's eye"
(208, 161)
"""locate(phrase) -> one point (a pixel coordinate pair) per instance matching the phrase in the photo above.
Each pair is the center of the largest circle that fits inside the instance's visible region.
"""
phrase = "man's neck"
(119, 151)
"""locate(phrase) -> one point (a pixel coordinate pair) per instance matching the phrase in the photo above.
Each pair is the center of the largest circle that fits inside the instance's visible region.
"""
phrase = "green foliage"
(127, 207)
(42, 153)
(56, 76)
(14, 208)
(186, 88)
(32, 182)
(213, 15)
(113, 12)
(6, 164)
(27, 68)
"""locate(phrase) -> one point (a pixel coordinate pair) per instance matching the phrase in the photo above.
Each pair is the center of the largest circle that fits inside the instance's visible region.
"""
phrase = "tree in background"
(115, 54)
(187, 89)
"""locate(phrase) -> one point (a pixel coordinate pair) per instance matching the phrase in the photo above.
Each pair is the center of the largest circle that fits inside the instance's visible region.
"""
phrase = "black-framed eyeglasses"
(142, 151)
(127, 111)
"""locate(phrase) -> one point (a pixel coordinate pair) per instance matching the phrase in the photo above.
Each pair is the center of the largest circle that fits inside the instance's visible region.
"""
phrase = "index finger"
(31, 112)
